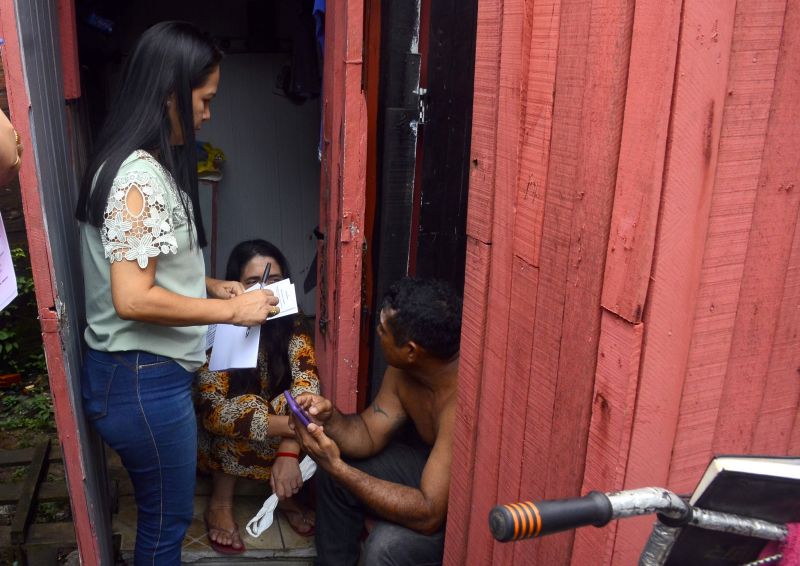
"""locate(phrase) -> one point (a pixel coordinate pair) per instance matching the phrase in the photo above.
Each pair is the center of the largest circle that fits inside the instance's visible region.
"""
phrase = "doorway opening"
(265, 118)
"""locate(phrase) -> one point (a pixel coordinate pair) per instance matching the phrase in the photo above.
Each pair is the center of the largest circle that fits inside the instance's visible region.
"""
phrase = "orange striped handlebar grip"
(517, 521)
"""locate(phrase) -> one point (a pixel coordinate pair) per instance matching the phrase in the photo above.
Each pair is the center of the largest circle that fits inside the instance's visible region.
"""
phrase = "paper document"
(236, 348)
(8, 280)
(287, 299)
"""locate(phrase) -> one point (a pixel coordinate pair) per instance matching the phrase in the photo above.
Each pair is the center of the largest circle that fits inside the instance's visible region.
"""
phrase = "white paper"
(234, 347)
(8, 279)
(237, 348)
(287, 299)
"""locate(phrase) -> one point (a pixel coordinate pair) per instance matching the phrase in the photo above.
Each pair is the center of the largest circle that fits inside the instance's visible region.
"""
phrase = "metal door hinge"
(424, 111)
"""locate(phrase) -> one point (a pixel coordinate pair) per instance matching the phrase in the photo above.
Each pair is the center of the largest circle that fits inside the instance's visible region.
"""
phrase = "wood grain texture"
(540, 40)
(637, 195)
(600, 99)
(70, 66)
(613, 405)
(768, 253)
(480, 210)
(779, 407)
(496, 379)
(754, 56)
(91, 549)
(700, 91)
(470, 371)
(342, 206)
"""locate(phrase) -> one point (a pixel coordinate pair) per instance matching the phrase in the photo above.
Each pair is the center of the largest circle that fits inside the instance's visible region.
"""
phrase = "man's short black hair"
(427, 311)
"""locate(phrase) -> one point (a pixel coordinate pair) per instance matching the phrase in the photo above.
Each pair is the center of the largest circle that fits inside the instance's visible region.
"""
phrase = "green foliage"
(20, 334)
(31, 411)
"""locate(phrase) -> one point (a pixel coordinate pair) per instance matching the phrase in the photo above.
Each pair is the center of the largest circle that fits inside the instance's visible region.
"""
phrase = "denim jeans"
(340, 516)
(141, 406)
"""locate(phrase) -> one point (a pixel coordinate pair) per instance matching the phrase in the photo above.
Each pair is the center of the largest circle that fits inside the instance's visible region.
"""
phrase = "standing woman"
(144, 278)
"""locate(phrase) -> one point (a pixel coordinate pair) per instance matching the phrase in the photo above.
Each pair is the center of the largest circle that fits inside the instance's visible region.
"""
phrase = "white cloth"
(263, 519)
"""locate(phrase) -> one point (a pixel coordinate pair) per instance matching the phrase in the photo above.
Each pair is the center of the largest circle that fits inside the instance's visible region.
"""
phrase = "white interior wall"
(270, 184)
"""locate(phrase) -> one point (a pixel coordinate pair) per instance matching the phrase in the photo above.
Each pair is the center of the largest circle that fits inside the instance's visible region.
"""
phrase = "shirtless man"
(403, 486)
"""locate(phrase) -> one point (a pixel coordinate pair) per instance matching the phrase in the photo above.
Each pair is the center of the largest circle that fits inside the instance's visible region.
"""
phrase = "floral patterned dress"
(234, 413)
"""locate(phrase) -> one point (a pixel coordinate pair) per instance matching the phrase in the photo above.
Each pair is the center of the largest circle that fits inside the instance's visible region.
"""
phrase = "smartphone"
(301, 415)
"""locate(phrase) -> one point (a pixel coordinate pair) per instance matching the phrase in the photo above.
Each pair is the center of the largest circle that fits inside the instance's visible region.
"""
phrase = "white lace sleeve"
(141, 235)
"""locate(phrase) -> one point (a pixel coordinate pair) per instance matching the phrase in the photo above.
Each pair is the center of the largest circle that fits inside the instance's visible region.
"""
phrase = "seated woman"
(244, 429)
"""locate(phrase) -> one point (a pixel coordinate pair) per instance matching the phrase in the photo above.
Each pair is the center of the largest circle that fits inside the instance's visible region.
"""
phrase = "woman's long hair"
(275, 334)
(170, 58)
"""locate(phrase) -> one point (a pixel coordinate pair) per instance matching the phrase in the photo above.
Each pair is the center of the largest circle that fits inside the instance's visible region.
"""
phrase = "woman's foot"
(300, 518)
(222, 530)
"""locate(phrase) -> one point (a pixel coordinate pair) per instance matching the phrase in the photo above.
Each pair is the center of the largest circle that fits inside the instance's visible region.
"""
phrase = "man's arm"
(365, 434)
(423, 510)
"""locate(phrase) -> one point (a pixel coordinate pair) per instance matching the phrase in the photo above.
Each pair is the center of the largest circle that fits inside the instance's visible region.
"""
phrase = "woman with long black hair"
(147, 302)
(244, 418)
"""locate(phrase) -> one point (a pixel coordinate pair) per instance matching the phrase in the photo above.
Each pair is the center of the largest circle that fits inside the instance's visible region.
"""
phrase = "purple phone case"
(298, 412)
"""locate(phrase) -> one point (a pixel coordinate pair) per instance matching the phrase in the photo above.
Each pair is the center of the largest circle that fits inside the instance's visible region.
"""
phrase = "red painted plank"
(613, 405)
(768, 252)
(480, 215)
(592, 189)
(566, 137)
(779, 407)
(495, 377)
(654, 48)
(757, 35)
(700, 90)
(514, 414)
(484, 121)
(342, 208)
(41, 263)
(70, 67)
(470, 370)
(537, 122)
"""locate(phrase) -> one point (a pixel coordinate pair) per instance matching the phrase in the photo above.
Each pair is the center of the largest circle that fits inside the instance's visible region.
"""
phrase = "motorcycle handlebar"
(516, 521)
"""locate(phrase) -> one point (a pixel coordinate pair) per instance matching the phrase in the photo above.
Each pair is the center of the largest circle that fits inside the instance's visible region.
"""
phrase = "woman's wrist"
(287, 454)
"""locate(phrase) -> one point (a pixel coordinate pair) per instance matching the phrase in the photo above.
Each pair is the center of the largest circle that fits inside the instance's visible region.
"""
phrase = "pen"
(263, 284)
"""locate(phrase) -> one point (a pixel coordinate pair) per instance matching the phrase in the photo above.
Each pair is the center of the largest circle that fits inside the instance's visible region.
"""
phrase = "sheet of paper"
(287, 299)
(235, 347)
(8, 279)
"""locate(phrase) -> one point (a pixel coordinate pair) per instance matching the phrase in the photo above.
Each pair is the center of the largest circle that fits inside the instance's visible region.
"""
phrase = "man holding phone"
(364, 469)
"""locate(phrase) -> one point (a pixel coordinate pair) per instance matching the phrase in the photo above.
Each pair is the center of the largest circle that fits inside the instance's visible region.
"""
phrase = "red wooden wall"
(342, 203)
(632, 301)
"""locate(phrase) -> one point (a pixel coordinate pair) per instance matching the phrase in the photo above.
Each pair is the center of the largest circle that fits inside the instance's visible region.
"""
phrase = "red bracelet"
(287, 455)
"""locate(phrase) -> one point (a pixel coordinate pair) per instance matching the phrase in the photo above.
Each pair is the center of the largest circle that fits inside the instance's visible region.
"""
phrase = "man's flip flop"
(226, 549)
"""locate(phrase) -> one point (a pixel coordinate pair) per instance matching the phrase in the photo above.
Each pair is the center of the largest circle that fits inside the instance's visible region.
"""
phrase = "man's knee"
(389, 544)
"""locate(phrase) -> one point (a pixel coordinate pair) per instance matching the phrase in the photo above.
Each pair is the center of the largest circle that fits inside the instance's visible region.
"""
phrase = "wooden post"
(41, 264)
(342, 203)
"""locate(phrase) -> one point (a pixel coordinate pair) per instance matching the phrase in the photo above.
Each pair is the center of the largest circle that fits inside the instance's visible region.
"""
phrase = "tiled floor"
(279, 545)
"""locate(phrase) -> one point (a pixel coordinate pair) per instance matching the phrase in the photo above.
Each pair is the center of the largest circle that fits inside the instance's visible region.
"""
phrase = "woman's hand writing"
(253, 308)
(218, 289)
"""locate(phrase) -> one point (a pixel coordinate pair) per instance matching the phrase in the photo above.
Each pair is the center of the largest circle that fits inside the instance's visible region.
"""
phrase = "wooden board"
(613, 406)
(600, 99)
(754, 56)
(768, 252)
(470, 371)
(637, 195)
(342, 204)
(698, 101)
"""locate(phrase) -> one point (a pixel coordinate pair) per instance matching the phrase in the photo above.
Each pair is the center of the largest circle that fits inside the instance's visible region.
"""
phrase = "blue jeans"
(141, 406)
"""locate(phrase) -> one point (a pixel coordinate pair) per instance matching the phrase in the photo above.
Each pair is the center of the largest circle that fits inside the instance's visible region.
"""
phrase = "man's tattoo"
(377, 409)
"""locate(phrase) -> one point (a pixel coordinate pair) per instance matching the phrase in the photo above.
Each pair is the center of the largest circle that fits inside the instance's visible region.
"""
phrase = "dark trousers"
(340, 516)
